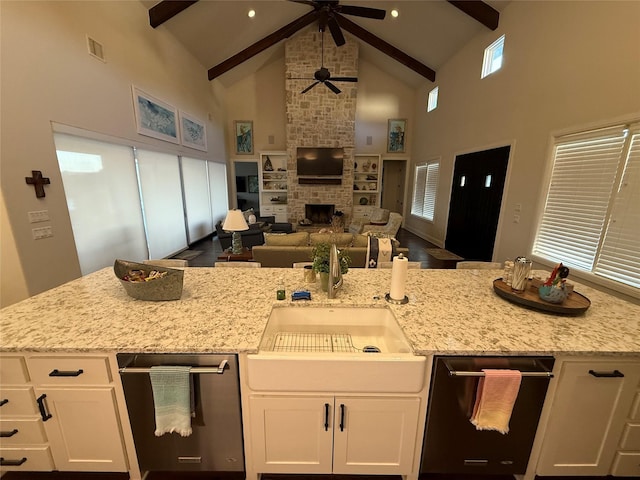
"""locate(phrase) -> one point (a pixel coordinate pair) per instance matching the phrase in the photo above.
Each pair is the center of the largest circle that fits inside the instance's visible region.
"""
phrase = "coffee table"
(245, 256)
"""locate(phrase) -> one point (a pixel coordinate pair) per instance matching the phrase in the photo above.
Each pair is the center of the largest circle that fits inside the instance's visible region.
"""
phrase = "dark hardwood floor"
(210, 247)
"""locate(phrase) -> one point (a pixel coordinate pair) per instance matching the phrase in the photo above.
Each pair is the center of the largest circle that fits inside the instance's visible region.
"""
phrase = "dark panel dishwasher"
(453, 445)
(216, 441)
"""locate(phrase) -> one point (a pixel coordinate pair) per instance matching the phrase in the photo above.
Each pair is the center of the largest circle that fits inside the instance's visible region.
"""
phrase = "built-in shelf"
(273, 185)
(366, 180)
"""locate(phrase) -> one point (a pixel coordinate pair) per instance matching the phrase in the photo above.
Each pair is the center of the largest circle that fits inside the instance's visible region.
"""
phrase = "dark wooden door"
(476, 196)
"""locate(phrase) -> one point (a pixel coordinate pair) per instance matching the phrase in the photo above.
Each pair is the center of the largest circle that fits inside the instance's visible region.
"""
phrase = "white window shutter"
(619, 257)
(419, 186)
(582, 181)
(429, 206)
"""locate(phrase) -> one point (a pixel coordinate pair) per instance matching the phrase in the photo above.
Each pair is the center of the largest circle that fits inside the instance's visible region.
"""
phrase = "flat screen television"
(320, 161)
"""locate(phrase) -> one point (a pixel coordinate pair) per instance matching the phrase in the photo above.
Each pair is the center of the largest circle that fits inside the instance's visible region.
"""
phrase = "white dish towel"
(171, 387)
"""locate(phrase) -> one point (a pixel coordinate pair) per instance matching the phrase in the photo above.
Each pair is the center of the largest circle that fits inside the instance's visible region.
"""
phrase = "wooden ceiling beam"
(167, 9)
(260, 45)
(386, 48)
(480, 11)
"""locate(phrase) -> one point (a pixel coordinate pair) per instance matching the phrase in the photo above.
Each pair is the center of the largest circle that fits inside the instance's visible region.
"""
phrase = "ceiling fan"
(326, 10)
(322, 75)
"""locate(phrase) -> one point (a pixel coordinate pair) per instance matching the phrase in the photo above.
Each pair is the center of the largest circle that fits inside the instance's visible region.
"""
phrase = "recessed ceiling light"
(251, 13)
(395, 13)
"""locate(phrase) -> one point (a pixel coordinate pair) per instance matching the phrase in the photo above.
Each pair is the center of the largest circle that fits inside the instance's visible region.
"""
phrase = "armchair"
(390, 229)
(250, 238)
(377, 216)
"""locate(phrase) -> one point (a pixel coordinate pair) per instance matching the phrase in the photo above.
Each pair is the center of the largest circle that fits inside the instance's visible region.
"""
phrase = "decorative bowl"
(552, 294)
(168, 287)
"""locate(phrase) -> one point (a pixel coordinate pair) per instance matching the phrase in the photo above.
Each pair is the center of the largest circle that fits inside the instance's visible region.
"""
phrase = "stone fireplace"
(320, 118)
(319, 213)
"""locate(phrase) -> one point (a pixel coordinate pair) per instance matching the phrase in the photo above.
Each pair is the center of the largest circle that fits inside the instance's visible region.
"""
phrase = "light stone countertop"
(226, 310)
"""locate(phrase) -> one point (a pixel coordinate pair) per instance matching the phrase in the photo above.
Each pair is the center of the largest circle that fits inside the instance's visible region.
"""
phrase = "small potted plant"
(320, 258)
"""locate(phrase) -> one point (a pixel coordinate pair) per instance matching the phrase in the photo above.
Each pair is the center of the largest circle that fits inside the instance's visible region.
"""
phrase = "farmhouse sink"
(347, 349)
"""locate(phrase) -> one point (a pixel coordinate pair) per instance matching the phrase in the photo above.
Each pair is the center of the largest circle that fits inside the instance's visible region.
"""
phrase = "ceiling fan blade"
(332, 87)
(306, 2)
(260, 45)
(362, 11)
(335, 30)
(309, 87)
(344, 79)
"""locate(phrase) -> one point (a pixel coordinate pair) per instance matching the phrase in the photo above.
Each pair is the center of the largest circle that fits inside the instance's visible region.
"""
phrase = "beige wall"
(48, 76)
(566, 65)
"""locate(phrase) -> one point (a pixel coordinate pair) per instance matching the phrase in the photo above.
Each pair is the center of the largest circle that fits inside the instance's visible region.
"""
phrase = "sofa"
(250, 238)
(284, 250)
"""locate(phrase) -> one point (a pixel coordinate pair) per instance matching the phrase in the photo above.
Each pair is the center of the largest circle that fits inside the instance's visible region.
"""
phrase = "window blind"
(619, 257)
(592, 210)
(425, 189)
(195, 180)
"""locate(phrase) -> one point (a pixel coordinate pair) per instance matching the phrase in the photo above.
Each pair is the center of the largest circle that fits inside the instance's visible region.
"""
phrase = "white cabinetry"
(24, 444)
(273, 185)
(71, 419)
(592, 427)
(366, 180)
(334, 434)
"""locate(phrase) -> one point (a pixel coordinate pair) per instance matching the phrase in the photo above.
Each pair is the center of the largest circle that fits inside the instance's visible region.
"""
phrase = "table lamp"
(235, 222)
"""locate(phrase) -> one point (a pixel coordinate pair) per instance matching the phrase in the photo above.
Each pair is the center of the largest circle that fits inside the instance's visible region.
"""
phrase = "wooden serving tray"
(575, 304)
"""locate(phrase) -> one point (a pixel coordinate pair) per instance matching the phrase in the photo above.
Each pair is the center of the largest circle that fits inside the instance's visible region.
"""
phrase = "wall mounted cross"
(38, 181)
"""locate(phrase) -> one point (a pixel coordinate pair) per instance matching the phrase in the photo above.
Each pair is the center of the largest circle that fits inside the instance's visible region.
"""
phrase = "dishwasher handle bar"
(224, 365)
(543, 372)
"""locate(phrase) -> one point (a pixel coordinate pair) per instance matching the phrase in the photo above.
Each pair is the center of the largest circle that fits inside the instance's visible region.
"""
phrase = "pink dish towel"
(496, 394)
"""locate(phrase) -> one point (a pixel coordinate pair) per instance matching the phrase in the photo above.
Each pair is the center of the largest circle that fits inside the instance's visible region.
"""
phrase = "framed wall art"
(155, 118)
(244, 137)
(396, 135)
(193, 132)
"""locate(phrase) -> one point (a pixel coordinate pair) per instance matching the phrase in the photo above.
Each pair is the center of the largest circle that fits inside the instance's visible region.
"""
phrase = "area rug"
(188, 254)
(442, 254)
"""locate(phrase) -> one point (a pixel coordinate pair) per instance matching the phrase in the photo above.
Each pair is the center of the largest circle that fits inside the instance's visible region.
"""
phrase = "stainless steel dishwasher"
(452, 445)
(216, 442)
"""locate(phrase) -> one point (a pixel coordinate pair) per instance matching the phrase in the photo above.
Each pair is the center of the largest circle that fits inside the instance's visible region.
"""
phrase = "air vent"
(95, 49)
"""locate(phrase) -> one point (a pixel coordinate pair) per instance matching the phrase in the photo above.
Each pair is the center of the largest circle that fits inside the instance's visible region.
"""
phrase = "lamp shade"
(235, 222)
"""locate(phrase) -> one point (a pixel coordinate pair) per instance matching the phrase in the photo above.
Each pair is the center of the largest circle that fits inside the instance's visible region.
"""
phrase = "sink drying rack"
(313, 342)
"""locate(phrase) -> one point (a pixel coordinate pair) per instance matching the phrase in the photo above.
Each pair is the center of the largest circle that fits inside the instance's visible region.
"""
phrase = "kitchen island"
(450, 312)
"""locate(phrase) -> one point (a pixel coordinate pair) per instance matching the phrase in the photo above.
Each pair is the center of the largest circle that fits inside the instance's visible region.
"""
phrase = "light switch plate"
(41, 232)
(38, 216)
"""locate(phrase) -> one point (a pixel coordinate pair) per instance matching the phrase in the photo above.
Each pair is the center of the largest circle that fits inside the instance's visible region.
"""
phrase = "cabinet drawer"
(13, 370)
(17, 401)
(280, 209)
(631, 437)
(69, 370)
(28, 459)
(626, 464)
(22, 431)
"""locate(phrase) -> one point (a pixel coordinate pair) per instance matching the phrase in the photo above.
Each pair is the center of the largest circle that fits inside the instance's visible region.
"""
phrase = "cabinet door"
(587, 417)
(291, 434)
(375, 435)
(84, 429)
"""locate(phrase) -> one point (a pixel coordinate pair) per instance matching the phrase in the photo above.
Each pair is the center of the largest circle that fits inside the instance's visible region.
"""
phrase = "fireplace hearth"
(319, 213)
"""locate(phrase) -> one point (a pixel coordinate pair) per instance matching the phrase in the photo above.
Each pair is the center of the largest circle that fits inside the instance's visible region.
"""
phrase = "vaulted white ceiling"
(430, 31)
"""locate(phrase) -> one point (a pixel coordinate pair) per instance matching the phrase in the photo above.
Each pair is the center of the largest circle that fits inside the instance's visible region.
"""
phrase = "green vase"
(324, 281)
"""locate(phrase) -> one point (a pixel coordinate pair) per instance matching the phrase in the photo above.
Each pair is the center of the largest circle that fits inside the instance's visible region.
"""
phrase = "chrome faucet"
(335, 272)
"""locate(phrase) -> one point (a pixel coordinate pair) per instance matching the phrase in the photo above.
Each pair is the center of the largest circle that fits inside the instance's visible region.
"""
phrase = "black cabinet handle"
(12, 463)
(614, 374)
(326, 417)
(342, 417)
(43, 409)
(7, 434)
(4, 401)
(62, 373)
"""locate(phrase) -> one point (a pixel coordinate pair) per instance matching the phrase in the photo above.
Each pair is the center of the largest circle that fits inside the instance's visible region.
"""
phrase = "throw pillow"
(394, 242)
(286, 240)
(247, 214)
(340, 239)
